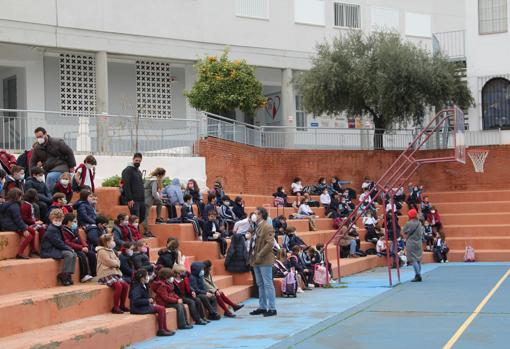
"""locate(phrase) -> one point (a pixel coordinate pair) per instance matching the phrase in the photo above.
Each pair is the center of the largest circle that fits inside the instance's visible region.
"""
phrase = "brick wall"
(247, 169)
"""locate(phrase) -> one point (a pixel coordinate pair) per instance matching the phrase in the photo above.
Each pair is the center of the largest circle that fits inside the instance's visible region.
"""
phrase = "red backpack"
(7, 160)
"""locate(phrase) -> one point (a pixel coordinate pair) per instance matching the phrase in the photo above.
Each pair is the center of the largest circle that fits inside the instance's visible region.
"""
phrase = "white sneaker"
(311, 286)
(86, 278)
(300, 290)
(446, 261)
(200, 237)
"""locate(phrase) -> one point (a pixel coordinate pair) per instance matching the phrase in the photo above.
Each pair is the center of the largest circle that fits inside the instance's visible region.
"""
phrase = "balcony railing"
(450, 44)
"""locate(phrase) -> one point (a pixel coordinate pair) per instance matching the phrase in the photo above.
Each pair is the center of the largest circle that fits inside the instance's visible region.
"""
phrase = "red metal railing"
(398, 174)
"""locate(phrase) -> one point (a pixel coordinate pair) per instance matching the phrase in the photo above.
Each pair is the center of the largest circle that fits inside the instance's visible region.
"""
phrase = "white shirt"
(369, 220)
(242, 226)
(381, 246)
(364, 197)
(305, 209)
(87, 182)
(296, 187)
(325, 199)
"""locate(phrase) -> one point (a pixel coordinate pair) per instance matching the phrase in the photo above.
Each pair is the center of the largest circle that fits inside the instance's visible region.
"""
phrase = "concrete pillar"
(190, 77)
(288, 107)
(103, 140)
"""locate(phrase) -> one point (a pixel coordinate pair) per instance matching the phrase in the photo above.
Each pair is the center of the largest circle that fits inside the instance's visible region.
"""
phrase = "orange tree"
(223, 85)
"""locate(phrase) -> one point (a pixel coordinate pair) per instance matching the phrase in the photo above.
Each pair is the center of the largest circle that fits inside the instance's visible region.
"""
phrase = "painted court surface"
(362, 312)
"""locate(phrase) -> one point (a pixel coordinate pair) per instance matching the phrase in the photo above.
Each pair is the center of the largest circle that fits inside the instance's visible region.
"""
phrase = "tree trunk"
(380, 127)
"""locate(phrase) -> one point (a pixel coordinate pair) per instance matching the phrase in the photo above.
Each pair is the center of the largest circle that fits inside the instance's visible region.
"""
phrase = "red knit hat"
(412, 214)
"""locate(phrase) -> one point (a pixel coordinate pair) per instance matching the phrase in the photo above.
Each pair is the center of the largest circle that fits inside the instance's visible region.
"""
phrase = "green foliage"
(113, 181)
(381, 75)
(166, 181)
(223, 85)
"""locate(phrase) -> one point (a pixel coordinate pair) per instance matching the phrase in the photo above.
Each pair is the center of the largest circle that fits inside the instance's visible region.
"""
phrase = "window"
(496, 104)
(153, 89)
(418, 24)
(384, 19)
(253, 8)
(492, 16)
(300, 114)
(347, 15)
(77, 83)
(309, 12)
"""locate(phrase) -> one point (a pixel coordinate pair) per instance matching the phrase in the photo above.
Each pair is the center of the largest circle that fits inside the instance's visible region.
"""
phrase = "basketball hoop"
(478, 157)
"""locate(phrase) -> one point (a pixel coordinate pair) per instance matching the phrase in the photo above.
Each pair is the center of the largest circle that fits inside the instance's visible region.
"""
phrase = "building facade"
(133, 57)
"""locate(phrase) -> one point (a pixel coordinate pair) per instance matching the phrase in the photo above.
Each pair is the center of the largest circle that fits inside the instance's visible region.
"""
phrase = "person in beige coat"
(262, 259)
(109, 274)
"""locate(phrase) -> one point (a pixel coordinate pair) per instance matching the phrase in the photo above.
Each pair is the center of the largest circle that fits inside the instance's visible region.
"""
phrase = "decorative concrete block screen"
(77, 83)
(153, 89)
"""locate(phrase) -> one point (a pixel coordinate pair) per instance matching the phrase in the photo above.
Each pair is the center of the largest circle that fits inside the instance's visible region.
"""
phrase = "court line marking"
(475, 313)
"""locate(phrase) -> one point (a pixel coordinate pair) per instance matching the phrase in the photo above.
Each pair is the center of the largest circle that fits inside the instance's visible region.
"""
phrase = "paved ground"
(362, 312)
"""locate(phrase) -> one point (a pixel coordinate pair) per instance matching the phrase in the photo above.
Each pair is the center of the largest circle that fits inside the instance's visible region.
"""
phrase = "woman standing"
(153, 187)
(413, 231)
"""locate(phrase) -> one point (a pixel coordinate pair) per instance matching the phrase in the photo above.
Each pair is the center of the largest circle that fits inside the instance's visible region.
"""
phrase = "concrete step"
(480, 243)
(102, 331)
(473, 207)
(261, 200)
(486, 255)
(470, 196)
(303, 224)
(475, 218)
(474, 230)
(181, 231)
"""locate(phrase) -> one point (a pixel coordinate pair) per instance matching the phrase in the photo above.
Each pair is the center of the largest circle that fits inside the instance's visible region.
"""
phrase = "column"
(288, 108)
(103, 139)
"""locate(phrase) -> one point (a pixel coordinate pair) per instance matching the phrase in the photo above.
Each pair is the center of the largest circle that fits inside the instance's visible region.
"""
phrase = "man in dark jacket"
(53, 246)
(36, 181)
(53, 154)
(133, 191)
(197, 285)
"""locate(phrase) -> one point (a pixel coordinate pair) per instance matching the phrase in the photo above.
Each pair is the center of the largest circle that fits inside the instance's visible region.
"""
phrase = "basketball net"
(478, 158)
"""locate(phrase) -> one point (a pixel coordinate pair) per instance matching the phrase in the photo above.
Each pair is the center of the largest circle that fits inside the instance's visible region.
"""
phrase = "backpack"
(337, 222)
(469, 253)
(7, 160)
(24, 161)
(289, 284)
(320, 275)
(278, 201)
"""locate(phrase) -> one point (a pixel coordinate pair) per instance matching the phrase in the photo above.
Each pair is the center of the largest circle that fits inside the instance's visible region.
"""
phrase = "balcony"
(451, 44)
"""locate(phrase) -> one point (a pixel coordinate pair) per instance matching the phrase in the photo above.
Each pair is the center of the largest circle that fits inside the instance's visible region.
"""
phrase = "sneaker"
(311, 286)
(165, 333)
(199, 238)
(237, 307)
(124, 309)
(187, 327)
(446, 260)
(159, 221)
(270, 313)
(148, 234)
(300, 290)
(18, 256)
(214, 316)
(229, 314)
(258, 312)
(86, 278)
(116, 310)
(201, 322)
(417, 278)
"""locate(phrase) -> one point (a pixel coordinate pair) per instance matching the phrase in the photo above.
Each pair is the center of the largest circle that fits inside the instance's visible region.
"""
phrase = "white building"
(129, 56)
(488, 63)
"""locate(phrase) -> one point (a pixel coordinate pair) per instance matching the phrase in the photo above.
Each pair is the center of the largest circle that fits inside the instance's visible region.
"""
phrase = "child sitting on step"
(142, 303)
(214, 231)
(428, 235)
(141, 258)
(222, 299)
(325, 200)
(188, 216)
(440, 248)
(86, 258)
(183, 289)
(127, 267)
(121, 232)
(109, 273)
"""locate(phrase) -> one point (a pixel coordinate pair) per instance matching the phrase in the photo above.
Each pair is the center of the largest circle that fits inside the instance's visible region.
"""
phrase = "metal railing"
(118, 134)
(451, 44)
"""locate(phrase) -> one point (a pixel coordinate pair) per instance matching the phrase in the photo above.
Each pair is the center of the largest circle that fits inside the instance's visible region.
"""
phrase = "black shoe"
(187, 327)
(270, 313)
(148, 234)
(214, 316)
(258, 312)
(18, 256)
(116, 310)
(417, 278)
(201, 322)
(237, 307)
(229, 314)
(159, 221)
(163, 333)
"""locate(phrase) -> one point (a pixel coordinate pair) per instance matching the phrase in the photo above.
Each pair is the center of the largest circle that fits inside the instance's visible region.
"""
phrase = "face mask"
(89, 166)
(64, 182)
(19, 176)
(135, 225)
(57, 224)
(40, 178)
(64, 202)
(143, 249)
(74, 226)
(201, 274)
(129, 253)
(125, 223)
(112, 245)
(136, 165)
(40, 140)
(91, 201)
(171, 279)
(433, 211)
(254, 218)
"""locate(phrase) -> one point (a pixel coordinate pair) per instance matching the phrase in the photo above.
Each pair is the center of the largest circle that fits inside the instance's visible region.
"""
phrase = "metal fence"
(125, 134)
(102, 134)
(452, 44)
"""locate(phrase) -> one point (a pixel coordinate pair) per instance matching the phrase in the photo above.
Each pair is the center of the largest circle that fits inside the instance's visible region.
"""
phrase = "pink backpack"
(320, 275)
(469, 253)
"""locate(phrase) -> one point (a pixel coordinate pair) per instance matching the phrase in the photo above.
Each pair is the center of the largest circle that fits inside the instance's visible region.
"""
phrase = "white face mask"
(40, 140)
(64, 202)
(171, 279)
(112, 245)
(89, 166)
(20, 176)
(135, 225)
(125, 223)
(57, 224)
(129, 252)
(40, 178)
(254, 218)
(64, 182)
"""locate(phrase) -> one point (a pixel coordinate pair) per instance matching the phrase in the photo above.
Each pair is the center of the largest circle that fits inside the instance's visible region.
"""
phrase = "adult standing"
(262, 259)
(53, 155)
(133, 191)
(413, 231)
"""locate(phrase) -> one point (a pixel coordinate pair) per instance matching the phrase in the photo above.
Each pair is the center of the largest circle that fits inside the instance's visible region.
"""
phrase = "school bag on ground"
(289, 284)
(278, 201)
(469, 253)
(320, 275)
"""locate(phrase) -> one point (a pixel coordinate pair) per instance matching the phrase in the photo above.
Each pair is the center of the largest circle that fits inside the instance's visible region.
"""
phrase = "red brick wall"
(248, 169)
